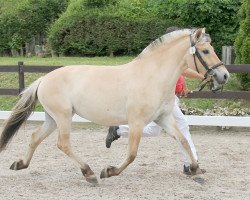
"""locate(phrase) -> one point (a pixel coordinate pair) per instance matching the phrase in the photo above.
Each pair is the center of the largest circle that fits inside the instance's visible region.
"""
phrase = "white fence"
(224, 121)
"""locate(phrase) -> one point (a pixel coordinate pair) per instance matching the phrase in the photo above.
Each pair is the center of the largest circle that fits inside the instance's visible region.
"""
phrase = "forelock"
(205, 37)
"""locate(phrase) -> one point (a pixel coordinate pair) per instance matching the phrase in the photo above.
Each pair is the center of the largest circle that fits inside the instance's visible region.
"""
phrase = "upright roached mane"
(169, 37)
(134, 93)
(165, 39)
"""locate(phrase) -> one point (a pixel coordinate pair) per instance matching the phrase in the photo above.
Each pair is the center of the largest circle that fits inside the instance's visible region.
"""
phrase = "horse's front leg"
(169, 124)
(135, 133)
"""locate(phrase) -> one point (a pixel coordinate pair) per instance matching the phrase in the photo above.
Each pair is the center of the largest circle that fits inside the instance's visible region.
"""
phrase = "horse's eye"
(205, 51)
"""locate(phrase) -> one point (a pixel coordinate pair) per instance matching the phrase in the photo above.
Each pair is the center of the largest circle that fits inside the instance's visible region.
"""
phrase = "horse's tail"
(20, 113)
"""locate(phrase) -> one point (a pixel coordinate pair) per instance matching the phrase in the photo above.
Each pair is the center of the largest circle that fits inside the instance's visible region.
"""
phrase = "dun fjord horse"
(134, 93)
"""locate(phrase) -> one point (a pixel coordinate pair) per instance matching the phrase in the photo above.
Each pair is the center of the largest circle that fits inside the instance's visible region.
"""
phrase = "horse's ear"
(198, 33)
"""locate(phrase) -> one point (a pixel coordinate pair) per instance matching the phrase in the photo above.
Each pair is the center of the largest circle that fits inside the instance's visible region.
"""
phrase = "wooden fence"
(20, 68)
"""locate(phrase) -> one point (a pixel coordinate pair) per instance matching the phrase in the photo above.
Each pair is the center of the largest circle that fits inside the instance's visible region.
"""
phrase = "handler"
(152, 129)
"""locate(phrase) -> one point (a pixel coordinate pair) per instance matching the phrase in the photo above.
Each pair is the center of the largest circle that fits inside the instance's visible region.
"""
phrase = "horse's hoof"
(195, 170)
(198, 171)
(108, 171)
(92, 179)
(89, 175)
(18, 165)
(104, 173)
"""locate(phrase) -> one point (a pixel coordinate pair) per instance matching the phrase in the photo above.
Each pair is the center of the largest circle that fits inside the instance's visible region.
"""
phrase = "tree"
(27, 19)
(242, 43)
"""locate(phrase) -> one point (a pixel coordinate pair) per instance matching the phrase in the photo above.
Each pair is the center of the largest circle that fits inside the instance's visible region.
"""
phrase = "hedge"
(109, 30)
(101, 27)
(99, 36)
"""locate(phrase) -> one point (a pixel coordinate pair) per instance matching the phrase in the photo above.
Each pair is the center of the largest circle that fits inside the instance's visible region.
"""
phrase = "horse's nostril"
(225, 76)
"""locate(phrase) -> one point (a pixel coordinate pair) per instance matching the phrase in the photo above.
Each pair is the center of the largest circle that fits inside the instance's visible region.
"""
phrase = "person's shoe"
(112, 135)
(186, 170)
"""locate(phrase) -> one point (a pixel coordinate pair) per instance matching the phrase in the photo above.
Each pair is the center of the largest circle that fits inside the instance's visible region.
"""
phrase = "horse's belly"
(101, 111)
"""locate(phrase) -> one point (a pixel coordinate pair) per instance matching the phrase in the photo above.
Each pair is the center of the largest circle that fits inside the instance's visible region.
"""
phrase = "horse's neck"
(172, 55)
(167, 62)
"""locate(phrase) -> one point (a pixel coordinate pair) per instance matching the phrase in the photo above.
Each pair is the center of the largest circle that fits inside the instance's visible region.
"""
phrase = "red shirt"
(180, 85)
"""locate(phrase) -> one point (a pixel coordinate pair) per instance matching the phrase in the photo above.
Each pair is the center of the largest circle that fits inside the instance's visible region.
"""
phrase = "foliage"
(117, 26)
(108, 35)
(233, 109)
(134, 9)
(25, 19)
(104, 31)
(8, 26)
(16, 41)
(124, 23)
(98, 3)
(242, 43)
(219, 17)
(6, 5)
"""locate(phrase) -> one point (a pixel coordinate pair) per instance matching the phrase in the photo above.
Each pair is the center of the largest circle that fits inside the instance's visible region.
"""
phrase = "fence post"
(227, 55)
(21, 76)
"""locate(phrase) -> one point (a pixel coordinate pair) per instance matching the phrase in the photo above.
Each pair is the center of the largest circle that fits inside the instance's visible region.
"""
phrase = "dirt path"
(155, 174)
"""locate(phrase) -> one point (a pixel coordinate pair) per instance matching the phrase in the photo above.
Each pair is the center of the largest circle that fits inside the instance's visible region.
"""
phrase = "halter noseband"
(210, 71)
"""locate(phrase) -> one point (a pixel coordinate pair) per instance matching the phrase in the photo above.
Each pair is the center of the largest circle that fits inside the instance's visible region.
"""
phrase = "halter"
(210, 71)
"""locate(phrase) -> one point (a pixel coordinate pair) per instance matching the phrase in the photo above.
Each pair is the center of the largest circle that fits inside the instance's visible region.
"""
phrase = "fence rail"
(20, 68)
(223, 121)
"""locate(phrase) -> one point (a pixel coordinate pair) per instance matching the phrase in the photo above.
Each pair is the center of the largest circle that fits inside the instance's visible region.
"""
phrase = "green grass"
(66, 60)
(10, 80)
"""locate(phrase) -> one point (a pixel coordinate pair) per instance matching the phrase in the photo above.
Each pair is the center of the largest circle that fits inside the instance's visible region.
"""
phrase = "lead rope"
(203, 84)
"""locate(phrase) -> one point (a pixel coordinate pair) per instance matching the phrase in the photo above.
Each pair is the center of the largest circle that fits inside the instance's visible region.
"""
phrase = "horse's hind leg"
(169, 124)
(37, 137)
(64, 126)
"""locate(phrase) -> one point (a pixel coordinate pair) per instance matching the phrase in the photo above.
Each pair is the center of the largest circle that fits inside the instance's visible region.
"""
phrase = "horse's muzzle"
(219, 78)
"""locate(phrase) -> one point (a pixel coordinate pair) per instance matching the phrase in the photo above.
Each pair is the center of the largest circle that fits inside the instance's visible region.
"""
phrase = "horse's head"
(202, 58)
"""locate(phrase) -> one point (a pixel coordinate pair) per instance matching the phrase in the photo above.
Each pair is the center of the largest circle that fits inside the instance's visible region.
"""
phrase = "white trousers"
(152, 129)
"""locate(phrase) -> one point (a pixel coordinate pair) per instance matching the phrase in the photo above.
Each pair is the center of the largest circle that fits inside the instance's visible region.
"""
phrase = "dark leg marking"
(89, 175)
(108, 171)
(194, 169)
(18, 165)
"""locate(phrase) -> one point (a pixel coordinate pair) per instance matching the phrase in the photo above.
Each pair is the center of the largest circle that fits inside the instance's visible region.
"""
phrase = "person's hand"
(185, 92)
(209, 78)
